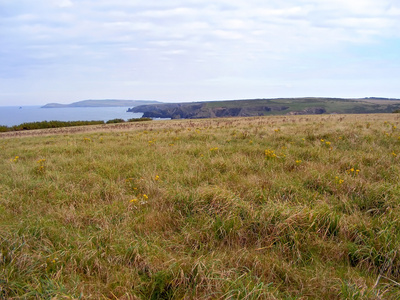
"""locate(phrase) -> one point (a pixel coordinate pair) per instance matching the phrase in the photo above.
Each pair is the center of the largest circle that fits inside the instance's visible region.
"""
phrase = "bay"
(15, 115)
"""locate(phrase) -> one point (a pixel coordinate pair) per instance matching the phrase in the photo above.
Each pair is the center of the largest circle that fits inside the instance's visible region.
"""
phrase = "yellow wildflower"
(353, 171)
(270, 153)
(338, 180)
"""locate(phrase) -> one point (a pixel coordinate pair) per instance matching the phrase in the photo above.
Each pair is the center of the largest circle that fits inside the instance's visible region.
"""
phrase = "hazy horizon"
(66, 103)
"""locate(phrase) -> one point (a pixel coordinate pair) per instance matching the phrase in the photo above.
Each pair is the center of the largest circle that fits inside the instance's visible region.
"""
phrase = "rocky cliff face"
(200, 110)
(173, 111)
(309, 111)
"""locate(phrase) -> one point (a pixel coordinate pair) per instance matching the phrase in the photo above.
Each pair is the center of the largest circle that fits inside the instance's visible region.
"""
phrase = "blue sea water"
(15, 115)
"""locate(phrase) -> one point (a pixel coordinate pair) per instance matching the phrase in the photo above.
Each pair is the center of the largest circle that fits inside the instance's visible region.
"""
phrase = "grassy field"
(299, 207)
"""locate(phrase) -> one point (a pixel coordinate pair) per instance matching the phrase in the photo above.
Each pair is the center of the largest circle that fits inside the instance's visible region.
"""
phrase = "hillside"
(101, 103)
(264, 107)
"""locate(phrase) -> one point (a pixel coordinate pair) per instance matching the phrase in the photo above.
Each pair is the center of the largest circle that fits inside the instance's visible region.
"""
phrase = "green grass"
(200, 210)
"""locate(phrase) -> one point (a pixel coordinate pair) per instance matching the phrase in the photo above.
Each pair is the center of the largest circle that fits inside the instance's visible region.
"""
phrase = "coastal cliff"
(201, 110)
(264, 107)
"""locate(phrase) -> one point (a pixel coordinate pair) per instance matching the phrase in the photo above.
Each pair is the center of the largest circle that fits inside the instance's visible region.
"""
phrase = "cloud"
(176, 41)
(63, 3)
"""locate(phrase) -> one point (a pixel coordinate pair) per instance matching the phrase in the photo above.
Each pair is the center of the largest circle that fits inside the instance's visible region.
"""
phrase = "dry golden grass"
(299, 207)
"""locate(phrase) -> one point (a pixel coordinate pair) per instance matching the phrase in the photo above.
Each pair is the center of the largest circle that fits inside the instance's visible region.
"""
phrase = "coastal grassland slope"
(332, 105)
(267, 107)
(289, 207)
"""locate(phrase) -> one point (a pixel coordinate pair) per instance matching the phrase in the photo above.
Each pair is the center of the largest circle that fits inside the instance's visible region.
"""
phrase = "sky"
(192, 50)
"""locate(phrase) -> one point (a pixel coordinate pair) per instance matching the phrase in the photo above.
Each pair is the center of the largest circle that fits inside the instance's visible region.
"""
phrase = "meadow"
(279, 207)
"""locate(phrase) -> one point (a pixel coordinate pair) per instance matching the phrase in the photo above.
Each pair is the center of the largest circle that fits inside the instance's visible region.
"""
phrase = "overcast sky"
(192, 50)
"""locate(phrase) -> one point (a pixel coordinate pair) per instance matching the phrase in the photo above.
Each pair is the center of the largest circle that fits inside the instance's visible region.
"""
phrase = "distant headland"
(102, 103)
(265, 107)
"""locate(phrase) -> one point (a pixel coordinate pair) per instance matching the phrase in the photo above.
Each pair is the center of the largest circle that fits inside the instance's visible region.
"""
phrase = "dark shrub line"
(59, 124)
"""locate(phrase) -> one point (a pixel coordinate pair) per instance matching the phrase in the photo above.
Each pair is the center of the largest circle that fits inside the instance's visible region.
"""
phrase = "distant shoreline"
(101, 103)
(13, 115)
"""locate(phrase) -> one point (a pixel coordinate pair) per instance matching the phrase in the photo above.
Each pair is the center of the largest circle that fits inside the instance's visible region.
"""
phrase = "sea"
(15, 115)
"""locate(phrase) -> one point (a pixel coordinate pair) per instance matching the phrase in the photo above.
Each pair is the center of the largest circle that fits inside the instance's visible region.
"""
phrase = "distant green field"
(288, 207)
